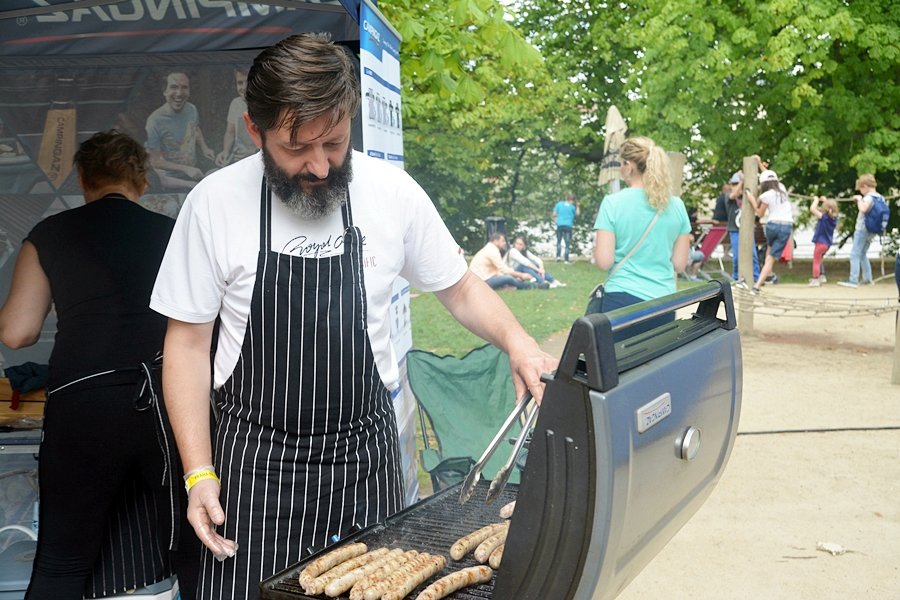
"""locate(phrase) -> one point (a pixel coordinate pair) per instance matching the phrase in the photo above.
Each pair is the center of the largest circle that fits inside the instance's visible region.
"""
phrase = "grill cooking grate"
(431, 525)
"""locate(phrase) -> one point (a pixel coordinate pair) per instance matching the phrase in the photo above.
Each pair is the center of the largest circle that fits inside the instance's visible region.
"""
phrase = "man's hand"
(209, 153)
(528, 364)
(192, 172)
(204, 513)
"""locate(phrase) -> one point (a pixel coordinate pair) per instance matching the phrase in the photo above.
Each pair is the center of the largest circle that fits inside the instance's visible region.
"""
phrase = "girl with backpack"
(773, 199)
(823, 236)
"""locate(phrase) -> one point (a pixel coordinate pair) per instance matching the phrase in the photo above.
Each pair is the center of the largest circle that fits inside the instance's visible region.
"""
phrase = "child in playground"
(823, 236)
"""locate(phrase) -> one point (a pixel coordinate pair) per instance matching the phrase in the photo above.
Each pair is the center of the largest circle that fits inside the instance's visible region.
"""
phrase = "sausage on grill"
(322, 582)
(382, 572)
(484, 549)
(496, 556)
(468, 543)
(396, 578)
(455, 581)
(433, 565)
(507, 511)
(326, 562)
(317, 585)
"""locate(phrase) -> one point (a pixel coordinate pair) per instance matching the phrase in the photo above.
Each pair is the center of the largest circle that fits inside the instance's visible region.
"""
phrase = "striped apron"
(306, 437)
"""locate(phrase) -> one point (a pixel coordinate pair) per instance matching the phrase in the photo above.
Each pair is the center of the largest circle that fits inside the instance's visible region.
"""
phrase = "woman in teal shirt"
(624, 217)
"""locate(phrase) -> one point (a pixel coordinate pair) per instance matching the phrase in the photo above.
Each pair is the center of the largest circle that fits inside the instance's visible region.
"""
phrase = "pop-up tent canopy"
(70, 68)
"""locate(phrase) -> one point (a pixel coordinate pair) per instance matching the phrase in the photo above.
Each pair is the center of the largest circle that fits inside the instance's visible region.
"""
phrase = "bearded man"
(294, 251)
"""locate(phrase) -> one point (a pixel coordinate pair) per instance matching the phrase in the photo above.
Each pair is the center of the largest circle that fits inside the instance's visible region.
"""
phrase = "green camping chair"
(467, 400)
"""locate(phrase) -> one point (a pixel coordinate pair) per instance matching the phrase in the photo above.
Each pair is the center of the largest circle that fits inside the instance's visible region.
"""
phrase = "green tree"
(810, 85)
(478, 106)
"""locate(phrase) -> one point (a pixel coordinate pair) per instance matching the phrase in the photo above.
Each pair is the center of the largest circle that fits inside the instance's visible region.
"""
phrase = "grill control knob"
(690, 443)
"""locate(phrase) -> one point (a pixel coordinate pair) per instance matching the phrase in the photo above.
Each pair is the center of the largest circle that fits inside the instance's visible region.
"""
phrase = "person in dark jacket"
(96, 265)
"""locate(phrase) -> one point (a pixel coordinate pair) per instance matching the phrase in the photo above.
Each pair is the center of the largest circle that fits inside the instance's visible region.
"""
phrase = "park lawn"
(542, 313)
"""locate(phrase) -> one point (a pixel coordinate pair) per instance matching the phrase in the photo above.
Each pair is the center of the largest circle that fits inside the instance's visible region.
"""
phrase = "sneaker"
(823, 279)
(814, 282)
(741, 283)
(544, 285)
(755, 291)
(568, 262)
(772, 279)
(848, 284)
(558, 259)
(868, 283)
(560, 283)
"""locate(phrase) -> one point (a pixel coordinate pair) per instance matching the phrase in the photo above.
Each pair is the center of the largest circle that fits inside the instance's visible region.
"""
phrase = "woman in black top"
(96, 264)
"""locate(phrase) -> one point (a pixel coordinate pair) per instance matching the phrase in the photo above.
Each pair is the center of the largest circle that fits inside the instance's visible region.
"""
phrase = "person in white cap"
(774, 199)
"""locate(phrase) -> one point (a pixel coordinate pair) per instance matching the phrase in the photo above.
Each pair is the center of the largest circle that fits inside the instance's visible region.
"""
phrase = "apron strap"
(150, 396)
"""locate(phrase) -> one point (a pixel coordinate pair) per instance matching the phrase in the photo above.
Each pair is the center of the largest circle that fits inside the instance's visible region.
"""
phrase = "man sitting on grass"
(488, 264)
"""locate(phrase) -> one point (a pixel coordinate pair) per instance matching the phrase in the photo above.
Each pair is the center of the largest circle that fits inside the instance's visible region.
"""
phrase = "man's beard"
(321, 200)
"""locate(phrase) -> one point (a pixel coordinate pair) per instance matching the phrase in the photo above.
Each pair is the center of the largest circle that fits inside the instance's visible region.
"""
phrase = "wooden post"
(676, 171)
(747, 243)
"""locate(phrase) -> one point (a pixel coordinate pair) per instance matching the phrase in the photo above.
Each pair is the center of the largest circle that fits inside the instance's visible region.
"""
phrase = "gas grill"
(631, 439)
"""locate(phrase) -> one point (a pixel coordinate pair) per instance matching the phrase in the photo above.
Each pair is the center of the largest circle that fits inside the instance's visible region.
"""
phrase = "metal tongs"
(499, 482)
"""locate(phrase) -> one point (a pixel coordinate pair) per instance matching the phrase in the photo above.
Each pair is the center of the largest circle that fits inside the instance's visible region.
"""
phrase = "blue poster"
(379, 60)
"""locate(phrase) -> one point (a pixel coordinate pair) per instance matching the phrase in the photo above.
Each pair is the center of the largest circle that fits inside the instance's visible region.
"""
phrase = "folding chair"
(466, 399)
(711, 240)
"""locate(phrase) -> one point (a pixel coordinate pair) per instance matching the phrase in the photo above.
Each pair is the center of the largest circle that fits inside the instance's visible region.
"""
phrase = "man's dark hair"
(300, 79)
(496, 236)
(111, 157)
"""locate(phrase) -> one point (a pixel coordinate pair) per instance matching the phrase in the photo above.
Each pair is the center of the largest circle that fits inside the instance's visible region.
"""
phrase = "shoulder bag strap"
(635, 247)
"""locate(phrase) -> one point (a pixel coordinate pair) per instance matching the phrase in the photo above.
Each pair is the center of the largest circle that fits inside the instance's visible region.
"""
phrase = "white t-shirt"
(780, 207)
(868, 199)
(210, 264)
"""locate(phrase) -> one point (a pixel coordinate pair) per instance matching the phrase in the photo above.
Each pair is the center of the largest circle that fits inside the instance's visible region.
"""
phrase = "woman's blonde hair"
(652, 162)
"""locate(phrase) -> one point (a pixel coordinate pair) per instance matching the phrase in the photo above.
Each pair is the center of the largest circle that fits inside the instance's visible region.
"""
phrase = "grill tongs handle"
(499, 482)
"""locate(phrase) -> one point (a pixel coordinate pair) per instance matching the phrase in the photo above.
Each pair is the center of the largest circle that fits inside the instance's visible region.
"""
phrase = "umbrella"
(615, 134)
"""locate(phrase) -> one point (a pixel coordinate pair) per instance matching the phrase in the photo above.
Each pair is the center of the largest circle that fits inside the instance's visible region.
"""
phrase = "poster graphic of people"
(380, 65)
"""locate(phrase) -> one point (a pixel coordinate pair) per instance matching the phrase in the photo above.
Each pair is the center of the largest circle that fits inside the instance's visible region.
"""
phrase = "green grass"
(541, 312)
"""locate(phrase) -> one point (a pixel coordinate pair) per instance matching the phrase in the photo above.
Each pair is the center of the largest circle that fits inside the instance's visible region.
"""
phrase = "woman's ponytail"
(653, 163)
(657, 180)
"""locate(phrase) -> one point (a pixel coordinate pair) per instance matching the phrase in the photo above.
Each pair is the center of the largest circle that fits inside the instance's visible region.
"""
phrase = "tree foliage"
(496, 126)
(478, 106)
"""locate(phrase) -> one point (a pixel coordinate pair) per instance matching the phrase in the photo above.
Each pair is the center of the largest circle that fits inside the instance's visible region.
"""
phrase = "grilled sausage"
(496, 556)
(343, 583)
(395, 579)
(382, 572)
(323, 563)
(317, 585)
(468, 543)
(457, 580)
(433, 565)
(507, 511)
(484, 549)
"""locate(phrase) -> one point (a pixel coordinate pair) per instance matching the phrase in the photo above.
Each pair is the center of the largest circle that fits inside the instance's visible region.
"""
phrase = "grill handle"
(591, 335)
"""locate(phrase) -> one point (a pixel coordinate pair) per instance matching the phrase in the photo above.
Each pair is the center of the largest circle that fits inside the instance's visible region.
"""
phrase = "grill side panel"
(552, 527)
